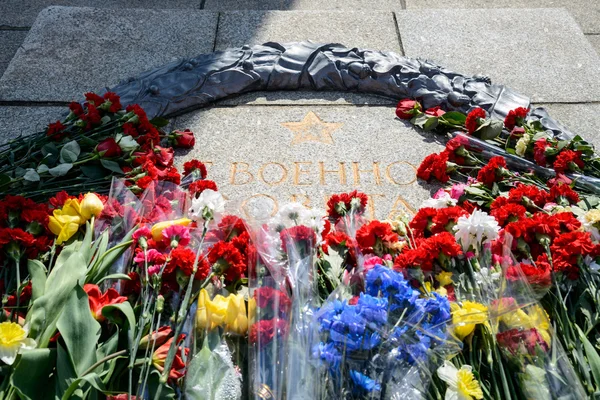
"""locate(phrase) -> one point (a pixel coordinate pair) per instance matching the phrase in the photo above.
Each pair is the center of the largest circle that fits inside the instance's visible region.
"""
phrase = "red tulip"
(109, 148)
(178, 367)
(98, 300)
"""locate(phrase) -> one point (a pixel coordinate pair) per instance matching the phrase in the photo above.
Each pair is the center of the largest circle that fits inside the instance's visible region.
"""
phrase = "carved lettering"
(400, 207)
(356, 171)
(299, 171)
(300, 198)
(341, 172)
(284, 173)
(245, 171)
(409, 177)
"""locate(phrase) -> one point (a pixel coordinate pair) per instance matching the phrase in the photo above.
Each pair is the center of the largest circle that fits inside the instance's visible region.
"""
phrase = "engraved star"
(312, 129)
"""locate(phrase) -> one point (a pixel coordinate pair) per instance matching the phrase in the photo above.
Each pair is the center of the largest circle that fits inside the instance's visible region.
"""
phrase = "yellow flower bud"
(158, 229)
(228, 313)
(91, 206)
(63, 226)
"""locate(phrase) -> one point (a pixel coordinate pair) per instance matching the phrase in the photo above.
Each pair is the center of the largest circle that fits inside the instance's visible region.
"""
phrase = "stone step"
(10, 40)
(223, 5)
(586, 12)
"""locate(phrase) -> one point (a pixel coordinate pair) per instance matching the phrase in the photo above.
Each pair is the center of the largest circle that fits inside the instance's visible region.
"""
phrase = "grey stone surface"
(22, 13)
(16, 121)
(70, 50)
(366, 29)
(9, 43)
(301, 5)
(297, 98)
(581, 119)
(273, 161)
(540, 53)
(595, 41)
(586, 12)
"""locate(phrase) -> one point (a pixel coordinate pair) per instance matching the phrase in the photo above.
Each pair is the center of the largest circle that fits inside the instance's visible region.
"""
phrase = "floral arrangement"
(146, 286)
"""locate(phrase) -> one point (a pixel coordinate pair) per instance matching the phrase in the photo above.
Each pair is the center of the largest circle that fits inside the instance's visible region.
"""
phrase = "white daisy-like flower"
(476, 229)
(292, 214)
(315, 219)
(13, 339)
(205, 206)
(444, 200)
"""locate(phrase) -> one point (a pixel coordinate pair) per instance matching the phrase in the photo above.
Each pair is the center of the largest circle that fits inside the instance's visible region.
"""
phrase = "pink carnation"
(153, 256)
(144, 231)
(179, 233)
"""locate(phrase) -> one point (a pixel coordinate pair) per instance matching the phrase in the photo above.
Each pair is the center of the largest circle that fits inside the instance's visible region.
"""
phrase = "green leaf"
(50, 153)
(211, 375)
(32, 374)
(592, 356)
(79, 330)
(70, 152)
(94, 171)
(66, 373)
(167, 392)
(37, 272)
(105, 349)
(159, 122)
(91, 378)
(454, 118)
(60, 169)
(114, 276)
(31, 175)
(42, 168)
(87, 142)
(4, 179)
(490, 129)
(111, 166)
(430, 124)
(47, 309)
(115, 313)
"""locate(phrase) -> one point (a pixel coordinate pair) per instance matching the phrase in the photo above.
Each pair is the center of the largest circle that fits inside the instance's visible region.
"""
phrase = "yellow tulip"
(531, 317)
(63, 226)
(72, 208)
(158, 229)
(444, 278)
(465, 318)
(91, 205)
(228, 313)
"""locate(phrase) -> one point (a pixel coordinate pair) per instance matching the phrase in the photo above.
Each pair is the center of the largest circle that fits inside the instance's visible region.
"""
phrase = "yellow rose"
(228, 313)
(63, 226)
(465, 318)
(91, 205)
(158, 229)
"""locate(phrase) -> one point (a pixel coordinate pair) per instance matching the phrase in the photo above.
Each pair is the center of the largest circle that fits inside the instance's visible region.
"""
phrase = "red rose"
(406, 109)
(109, 148)
(184, 139)
(473, 119)
(435, 111)
(515, 117)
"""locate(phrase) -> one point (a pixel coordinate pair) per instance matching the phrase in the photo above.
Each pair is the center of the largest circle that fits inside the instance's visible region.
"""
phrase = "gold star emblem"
(312, 129)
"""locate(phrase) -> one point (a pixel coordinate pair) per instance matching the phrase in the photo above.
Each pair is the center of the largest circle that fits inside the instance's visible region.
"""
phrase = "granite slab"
(595, 41)
(278, 154)
(581, 119)
(22, 13)
(298, 98)
(586, 12)
(223, 5)
(367, 29)
(71, 50)
(16, 120)
(9, 43)
(541, 53)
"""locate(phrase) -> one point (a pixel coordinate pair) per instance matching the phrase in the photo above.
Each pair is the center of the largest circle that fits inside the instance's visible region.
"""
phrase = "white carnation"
(442, 201)
(205, 206)
(476, 229)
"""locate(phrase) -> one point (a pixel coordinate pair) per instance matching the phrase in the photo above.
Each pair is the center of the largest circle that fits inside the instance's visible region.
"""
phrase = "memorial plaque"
(271, 155)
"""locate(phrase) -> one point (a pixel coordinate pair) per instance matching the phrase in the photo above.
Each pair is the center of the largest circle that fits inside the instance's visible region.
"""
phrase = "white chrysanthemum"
(13, 339)
(292, 214)
(521, 147)
(476, 229)
(315, 219)
(441, 202)
(205, 206)
(591, 222)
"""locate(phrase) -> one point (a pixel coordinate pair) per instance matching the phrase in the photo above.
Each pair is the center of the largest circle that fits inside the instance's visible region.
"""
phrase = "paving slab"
(595, 41)
(16, 121)
(71, 50)
(277, 154)
(541, 53)
(298, 98)
(581, 119)
(9, 43)
(586, 12)
(367, 29)
(223, 5)
(22, 13)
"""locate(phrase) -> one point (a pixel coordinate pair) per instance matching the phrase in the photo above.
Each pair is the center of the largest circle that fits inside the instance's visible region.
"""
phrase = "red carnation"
(539, 151)
(446, 218)
(183, 258)
(515, 117)
(374, 233)
(522, 342)
(226, 260)
(339, 205)
(406, 109)
(493, 171)
(56, 131)
(441, 246)
(131, 286)
(413, 258)
(434, 166)
(76, 108)
(268, 297)
(93, 98)
(92, 117)
(231, 227)
(298, 237)
(538, 276)
(263, 331)
(109, 148)
(198, 187)
(508, 213)
(112, 102)
(194, 165)
(473, 119)
(568, 160)
(563, 194)
(422, 222)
